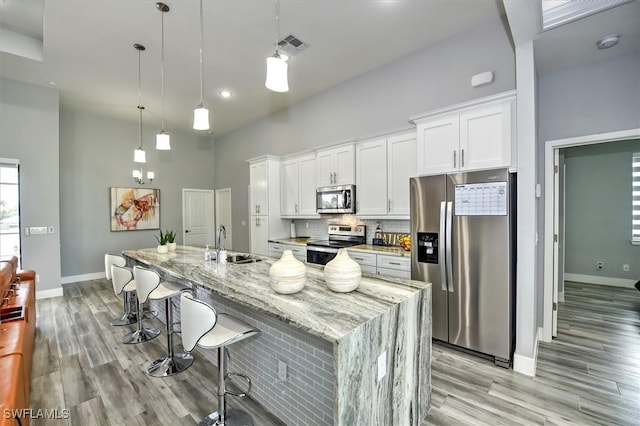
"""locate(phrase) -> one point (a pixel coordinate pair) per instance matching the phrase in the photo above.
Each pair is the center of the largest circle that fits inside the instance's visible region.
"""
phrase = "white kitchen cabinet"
(299, 252)
(264, 198)
(471, 136)
(383, 168)
(394, 266)
(367, 261)
(298, 186)
(276, 249)
(371, 178)
(335, 166)
(259, 235)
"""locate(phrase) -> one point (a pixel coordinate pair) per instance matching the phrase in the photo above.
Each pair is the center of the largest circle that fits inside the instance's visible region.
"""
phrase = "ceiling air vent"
(291, 45)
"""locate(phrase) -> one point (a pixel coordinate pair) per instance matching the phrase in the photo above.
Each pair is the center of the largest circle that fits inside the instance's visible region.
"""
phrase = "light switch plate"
(36, 230)
(382, 365)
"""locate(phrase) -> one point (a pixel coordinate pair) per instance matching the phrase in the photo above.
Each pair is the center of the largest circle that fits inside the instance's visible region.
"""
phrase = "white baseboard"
(525, 365)
(47, 294)
(593, 279)
(86, 277)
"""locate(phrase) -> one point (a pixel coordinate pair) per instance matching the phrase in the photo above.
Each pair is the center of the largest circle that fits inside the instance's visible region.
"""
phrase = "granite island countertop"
(315, 309)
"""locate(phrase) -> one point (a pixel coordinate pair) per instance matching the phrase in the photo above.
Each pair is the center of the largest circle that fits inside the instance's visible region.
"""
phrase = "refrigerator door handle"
(441, 246)
(449, 258)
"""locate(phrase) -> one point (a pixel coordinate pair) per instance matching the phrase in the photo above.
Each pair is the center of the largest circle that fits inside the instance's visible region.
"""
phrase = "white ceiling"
(89, 54)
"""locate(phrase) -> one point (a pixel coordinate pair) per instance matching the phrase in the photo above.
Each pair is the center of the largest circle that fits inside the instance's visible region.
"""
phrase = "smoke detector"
(608, 41)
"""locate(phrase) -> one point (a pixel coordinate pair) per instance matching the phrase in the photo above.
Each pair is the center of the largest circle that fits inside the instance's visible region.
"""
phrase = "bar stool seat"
(148, 281)
(202, 326)
(126, 288)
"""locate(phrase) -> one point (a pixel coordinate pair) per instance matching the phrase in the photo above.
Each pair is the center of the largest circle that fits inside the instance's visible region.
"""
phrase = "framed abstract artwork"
(134, 209)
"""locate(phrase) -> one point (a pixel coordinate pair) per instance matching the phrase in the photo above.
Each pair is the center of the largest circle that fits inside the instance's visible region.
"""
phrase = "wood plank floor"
(589, 375)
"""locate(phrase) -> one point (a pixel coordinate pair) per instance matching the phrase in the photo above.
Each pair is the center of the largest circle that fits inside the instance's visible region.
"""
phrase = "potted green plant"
(162, 242)
(171, 238)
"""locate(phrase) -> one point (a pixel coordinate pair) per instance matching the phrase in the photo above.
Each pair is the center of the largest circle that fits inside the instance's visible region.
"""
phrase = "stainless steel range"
(340, 236)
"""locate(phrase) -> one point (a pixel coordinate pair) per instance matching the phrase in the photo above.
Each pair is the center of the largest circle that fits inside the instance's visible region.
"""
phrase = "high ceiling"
(87, 49)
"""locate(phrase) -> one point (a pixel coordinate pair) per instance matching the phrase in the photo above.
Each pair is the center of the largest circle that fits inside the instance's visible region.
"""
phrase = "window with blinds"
(635, 203)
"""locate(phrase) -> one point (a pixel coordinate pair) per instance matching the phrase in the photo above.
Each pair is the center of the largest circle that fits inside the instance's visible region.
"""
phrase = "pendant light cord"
(162, 68)
(201, 49)
(277, 24)
(140, 107)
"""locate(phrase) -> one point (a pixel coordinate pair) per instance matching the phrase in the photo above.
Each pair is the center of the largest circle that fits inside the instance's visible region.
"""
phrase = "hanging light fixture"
(139, 155)
(163, 140)
(201, 114)
(276, 65)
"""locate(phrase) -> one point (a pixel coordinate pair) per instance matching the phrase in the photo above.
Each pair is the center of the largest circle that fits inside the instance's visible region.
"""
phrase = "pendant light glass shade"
(201, 118)
(163, 141)
(277, 74)
(139, 156)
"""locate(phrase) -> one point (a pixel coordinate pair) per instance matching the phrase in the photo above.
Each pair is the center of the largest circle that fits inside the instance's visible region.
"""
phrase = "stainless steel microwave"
(336, 199)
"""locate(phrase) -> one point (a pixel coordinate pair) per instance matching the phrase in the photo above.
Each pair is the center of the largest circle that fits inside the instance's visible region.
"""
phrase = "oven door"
(320, 255)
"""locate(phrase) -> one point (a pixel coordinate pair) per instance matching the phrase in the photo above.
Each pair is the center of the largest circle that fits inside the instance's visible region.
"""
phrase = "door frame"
(550, 200)
(213, 216)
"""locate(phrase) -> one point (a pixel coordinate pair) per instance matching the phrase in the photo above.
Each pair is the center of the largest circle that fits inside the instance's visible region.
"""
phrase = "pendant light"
(276, 66)
(163, 140)
(201, 114)
(139, 155)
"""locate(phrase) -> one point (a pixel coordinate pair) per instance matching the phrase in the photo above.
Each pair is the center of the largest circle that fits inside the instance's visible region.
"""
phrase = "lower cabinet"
(390, 266)
(299, 252)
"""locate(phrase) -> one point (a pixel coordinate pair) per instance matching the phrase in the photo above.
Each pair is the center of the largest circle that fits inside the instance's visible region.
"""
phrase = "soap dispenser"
(207, 253)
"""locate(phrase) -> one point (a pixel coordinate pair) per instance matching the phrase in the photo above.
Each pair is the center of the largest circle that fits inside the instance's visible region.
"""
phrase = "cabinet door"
(308, 185)
(289, 187)
(259, 190)
(371, 177)
(437, 145)
(485, 137)
(299, 252)
(397, 273)
(401, 151)
(325, 163)
(345, 165)
(259, 235)
(276, 249)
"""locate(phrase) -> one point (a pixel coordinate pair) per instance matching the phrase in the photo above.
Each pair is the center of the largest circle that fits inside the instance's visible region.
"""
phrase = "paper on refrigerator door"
(481, 199)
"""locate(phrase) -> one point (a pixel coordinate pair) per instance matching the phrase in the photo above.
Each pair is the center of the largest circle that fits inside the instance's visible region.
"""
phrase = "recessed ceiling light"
(608, 41)
(51, 83)
(225, 93)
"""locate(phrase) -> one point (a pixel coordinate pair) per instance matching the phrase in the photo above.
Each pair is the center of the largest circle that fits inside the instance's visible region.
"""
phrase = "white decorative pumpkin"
(287, 275)
(342, 274)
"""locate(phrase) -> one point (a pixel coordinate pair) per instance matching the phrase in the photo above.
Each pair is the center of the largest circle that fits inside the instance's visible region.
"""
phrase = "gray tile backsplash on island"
(317, 228)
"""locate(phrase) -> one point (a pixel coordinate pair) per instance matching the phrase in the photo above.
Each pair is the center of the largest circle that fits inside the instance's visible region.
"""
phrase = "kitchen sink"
(242, 258)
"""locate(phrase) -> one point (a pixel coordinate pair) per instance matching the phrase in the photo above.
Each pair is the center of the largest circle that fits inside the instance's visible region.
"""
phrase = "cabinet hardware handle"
(395, 263)
(462, 159)
(358, 258)
(389, 210)
(296, 207)
(454, 159)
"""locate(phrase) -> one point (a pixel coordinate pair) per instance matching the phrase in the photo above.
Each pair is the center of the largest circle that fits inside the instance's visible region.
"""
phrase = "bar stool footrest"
(242, 376)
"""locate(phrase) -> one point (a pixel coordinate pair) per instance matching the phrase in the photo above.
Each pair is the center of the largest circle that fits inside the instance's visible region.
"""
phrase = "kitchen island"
(360, 358)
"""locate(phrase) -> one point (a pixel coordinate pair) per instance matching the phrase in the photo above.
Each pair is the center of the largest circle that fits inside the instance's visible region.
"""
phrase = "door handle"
(449, 242)
(441, 238)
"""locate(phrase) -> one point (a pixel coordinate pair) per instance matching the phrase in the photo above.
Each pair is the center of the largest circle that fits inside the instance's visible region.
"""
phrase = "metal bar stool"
(126, 288)
(148, 282)
(204, 327)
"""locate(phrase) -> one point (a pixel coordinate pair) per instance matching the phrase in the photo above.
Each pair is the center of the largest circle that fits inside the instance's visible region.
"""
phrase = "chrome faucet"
(220, 234)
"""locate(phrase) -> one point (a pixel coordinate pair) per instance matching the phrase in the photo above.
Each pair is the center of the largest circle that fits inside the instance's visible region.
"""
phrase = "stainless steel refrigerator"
(462, 231)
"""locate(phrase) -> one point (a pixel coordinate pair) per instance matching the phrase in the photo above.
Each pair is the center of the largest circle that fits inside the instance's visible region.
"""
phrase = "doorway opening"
(10, 241)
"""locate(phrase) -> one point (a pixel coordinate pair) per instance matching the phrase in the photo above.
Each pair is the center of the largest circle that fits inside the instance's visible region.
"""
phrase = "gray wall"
(377, 101)
(598, 210)
(29, 133)
(97, 153)
(595, 98)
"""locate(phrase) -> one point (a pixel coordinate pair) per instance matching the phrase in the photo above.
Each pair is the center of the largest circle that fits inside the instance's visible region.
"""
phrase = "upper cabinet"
(298, 186)
(335, 166)
(383, 168)
(472, 136)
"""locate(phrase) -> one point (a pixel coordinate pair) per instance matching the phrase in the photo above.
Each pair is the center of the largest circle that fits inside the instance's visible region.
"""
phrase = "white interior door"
(223, 214)
(198, 220)
(556, 240)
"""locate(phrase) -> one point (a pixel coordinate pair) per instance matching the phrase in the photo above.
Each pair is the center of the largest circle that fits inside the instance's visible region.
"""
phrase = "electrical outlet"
(306, 224)
(282, 371)
(625, 267)
(599, 265)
